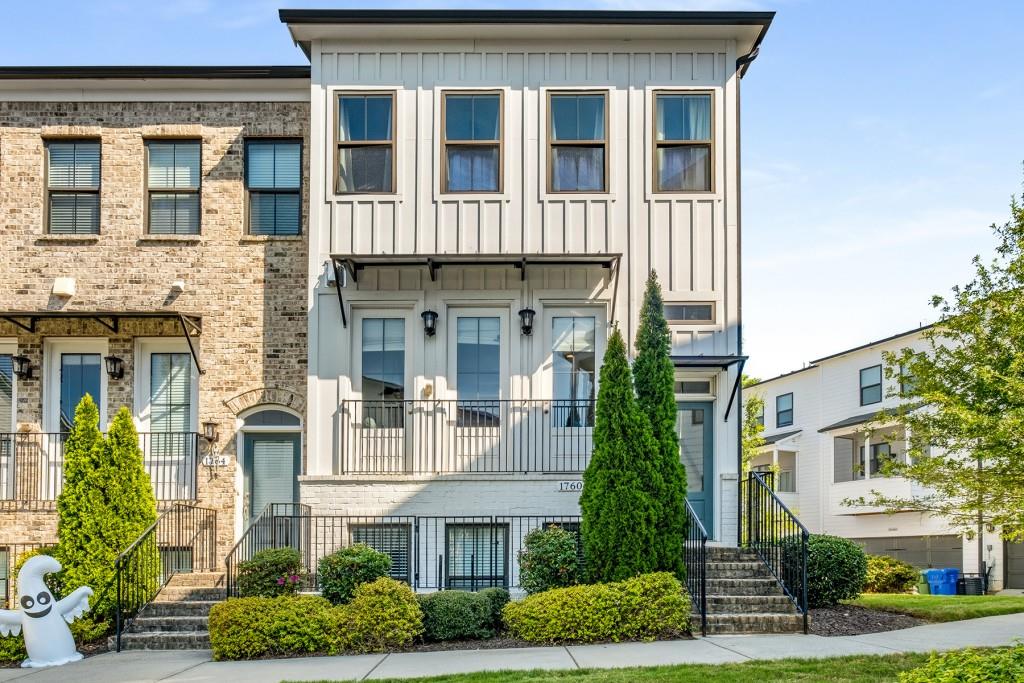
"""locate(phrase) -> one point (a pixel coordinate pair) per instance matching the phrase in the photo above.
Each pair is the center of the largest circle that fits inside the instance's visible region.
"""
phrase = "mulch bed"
(850, 620)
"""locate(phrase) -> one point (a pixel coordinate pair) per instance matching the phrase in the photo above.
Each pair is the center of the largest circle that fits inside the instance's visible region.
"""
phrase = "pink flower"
(280, 582)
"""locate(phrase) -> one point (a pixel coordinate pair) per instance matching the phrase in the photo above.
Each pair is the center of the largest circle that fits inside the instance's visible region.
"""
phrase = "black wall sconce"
(526, 320)
(429, 322)
(210, 432)
(115, 367)
(22, 367)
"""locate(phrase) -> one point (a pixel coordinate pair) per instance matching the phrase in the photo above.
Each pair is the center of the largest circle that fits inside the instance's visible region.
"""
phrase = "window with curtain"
(6, 395)
(478, 367)
(383, 372)
(477, 555)
(472, 142)
(79, 375)
(574, 367)
(273, 178)
(173, 184)
(871, 385)
(784, 410)
(73, 187)
(577, 142)
(683, 143)
(366, 143)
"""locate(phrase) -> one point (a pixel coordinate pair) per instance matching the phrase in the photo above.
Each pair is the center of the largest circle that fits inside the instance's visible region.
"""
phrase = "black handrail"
(696, 556)
(279, 525)
(183, 539)
(772, 531)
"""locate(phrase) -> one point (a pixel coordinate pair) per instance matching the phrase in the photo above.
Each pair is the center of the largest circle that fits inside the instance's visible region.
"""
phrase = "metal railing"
(696, 556)
(10, 553)
(465, 436)
(182, 540)
(777, 536)
(32, 466)
(427, 552)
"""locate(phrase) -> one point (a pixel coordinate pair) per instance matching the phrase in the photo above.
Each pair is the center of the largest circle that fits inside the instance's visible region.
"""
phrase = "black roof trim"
(501, 16)
(785, 374)
(874, 343)
(707, 361)
(775, 438)
(863, 418)
(130, 72)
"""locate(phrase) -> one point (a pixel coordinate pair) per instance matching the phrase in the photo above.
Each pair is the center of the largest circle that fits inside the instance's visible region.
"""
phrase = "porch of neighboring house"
(778, 460)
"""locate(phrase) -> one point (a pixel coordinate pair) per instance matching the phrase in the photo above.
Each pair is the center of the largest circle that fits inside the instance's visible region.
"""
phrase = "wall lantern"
(526, 320)
(22, 367)
(115, 367)
(429, 323)
(210, 431)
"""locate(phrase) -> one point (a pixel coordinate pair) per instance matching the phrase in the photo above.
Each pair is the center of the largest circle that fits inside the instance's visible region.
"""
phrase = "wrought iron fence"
(10, 554)
(456, 436)
(182, 540)
(777, 536)
(32, 465)
(696, 556)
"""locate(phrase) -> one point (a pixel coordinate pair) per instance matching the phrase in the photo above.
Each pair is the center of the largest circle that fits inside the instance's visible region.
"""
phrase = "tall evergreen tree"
(654, 376)
(619, 514)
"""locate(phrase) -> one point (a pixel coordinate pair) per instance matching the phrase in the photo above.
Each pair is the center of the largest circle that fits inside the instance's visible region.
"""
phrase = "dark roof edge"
(875, 343)
(141, 72)
(785, 374)
(475, 16)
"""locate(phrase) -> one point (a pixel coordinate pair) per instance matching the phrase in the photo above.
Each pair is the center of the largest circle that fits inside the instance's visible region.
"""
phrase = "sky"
(881, 139)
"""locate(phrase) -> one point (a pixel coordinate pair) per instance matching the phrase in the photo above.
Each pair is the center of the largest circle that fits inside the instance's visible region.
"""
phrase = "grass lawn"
(858, 669)
(943, 607)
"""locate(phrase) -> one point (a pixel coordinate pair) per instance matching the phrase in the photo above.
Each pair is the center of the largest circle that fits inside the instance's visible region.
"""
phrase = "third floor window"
(784, 410)
(871, 385)
(73, 187)
(471, 151)
(365, 161)
(682, 142)
(172, 178)
(577, 142)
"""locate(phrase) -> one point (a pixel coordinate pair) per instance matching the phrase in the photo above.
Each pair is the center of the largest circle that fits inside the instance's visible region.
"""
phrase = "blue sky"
(880, 139)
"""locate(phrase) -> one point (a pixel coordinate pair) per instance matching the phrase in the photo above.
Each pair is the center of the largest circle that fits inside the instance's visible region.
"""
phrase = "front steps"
(177, 619)
(743, 596)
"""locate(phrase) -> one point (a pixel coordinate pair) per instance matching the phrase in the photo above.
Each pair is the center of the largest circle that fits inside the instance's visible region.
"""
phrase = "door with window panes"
(171, 460)
(695, 429)
(382, 420)
(573, 339)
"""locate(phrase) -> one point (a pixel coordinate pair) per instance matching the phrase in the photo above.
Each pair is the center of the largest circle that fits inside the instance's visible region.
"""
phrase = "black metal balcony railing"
(462, 436)
(32, 465)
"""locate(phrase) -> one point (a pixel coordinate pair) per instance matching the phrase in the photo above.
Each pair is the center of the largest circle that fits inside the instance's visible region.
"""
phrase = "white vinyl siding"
(173, 185)
(73, 184)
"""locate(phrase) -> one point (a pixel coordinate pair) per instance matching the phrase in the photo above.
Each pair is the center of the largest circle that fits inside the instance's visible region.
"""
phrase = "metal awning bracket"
(337, 288)
(191, 346)
(31, 327)
(735, 387)
(113, 325)
(432, 267)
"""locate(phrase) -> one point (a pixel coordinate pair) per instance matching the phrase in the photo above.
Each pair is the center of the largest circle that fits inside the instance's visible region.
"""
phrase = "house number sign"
(570, 486)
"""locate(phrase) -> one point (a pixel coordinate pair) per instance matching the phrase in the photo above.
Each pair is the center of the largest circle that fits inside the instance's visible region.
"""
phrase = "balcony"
(32, 466)
(465, 436)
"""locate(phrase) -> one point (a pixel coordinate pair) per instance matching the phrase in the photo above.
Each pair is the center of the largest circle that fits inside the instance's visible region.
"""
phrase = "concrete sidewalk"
(196, 667)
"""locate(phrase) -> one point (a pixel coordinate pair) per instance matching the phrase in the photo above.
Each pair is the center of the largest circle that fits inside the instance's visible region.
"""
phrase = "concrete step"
(722, 554)
(164, 640)
(150, 624)
(750, 604)
(754, 623)
(177, 593)
(736, 570)
(199, 580)
(184, 608)
(743, 586)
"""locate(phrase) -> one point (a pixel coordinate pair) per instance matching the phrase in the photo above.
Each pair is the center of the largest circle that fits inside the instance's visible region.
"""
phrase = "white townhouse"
(825, 441)
(488, 192)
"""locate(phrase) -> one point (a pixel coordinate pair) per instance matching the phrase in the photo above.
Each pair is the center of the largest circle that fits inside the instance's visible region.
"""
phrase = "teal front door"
(694, 425)
(271, 466)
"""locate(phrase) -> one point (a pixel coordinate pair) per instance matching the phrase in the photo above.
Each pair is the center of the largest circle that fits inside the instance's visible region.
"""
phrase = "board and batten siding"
(689, 238)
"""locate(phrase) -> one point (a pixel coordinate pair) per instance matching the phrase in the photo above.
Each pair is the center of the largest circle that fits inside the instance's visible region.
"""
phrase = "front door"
(694, 425)
(271, 467)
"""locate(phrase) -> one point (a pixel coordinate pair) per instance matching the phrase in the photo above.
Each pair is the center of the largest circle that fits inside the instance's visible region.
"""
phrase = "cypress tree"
(655, 391)
(619, 514)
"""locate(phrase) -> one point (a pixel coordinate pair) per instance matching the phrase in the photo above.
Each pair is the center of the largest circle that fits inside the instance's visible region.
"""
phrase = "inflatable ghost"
(47, 637)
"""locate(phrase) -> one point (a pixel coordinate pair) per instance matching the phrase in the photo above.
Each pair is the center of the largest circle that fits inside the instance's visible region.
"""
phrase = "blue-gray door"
(271, 466)
(695, 426)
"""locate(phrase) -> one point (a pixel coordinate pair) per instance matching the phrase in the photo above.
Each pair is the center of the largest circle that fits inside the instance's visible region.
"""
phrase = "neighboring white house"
(824, 442)
(489, 190)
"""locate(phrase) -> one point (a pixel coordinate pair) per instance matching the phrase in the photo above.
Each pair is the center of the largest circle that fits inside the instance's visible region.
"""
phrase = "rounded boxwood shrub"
(497, 598)
(888, 575)
(647, 607)
(836, 568)
(341, 571)
(967, 666)
(381, 616)
(456, 615)
(270, 572)
(245, 628)
(549, 559)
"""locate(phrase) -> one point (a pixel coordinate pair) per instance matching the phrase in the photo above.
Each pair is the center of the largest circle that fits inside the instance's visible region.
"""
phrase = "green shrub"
(342, 571)
(53, 581)
(646, 607)
(245, 628)
(497, 598)
(12, 650)
(836, 568)
(549, 559)
(270, 572)
(381, 616)
(456, 615)
(970, 666)
(888, 575)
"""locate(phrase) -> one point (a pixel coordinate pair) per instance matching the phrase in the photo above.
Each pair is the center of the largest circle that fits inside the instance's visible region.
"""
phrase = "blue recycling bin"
(936, 581)
(949, 578)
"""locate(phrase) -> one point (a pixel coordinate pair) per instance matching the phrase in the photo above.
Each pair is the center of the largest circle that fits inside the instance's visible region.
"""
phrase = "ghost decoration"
(43, 618)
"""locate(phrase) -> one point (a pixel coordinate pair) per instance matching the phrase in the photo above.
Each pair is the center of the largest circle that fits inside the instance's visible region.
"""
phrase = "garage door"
(923, 552)
(1014, 565)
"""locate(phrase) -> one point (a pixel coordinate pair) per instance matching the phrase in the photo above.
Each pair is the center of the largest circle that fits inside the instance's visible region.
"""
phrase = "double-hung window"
(73, 187)
(471, 142)
(683, 144)
(784, 410)
(172, 180)
(577, 142)
(871, 385)
(365, 160)
(273, 179)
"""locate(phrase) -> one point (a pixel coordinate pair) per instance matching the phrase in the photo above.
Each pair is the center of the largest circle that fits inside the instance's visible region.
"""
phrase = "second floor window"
(682, 142)
(472, 142)
(759, 419)
(871, 385)
(273, 179)
(365, 159)
(172, 177)
(784, 410)
(73, 187)
(577, 143)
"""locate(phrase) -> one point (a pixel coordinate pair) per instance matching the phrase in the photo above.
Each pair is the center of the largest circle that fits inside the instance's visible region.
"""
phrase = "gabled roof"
(874, 343)
(782, 436)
